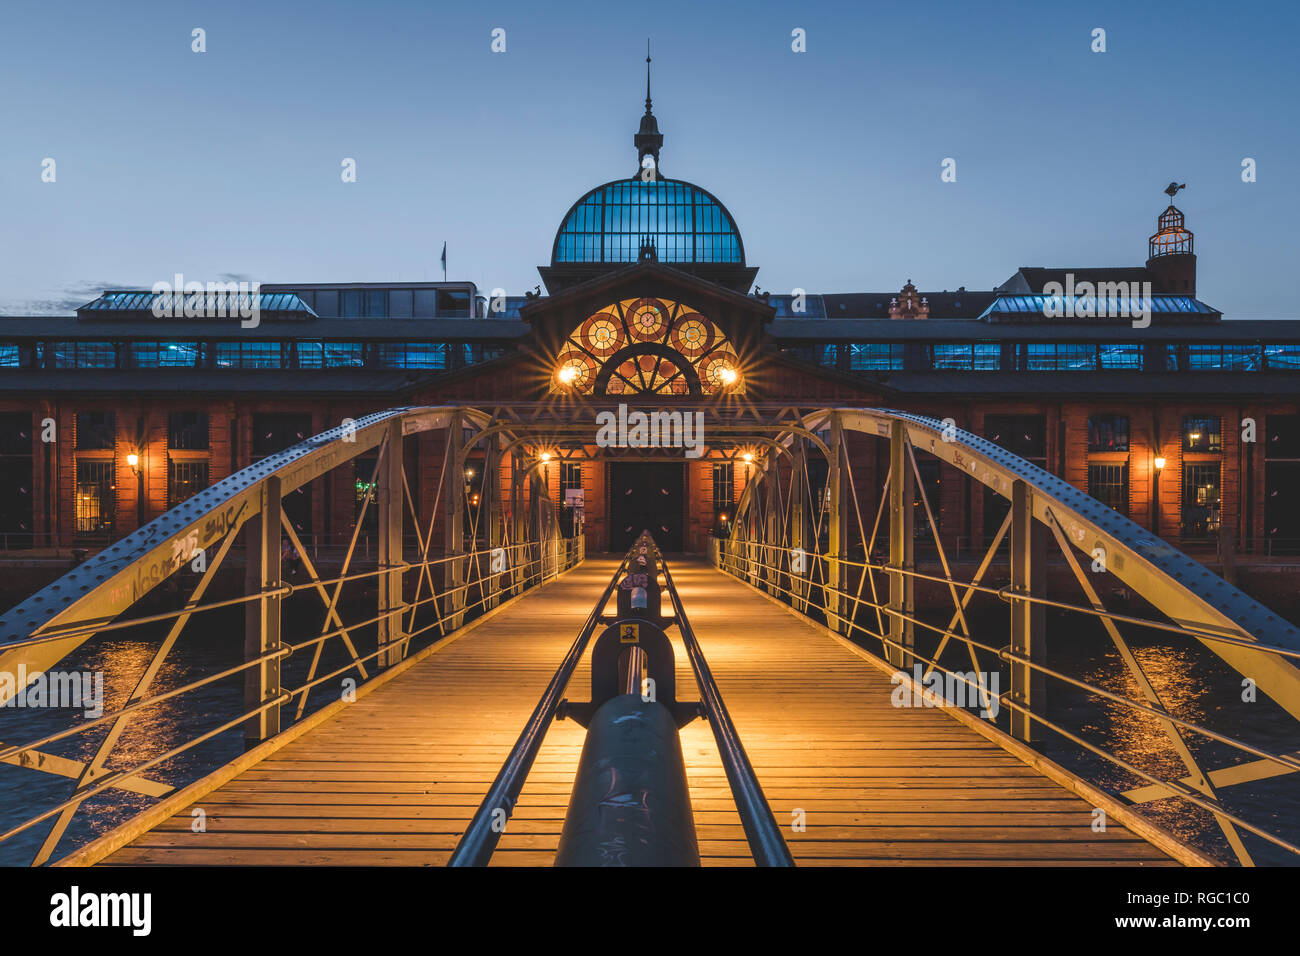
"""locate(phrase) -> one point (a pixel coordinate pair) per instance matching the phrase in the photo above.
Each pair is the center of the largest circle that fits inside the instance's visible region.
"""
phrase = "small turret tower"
(1169, 252)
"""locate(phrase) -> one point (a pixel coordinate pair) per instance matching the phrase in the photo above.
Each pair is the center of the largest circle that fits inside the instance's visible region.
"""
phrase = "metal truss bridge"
(864, 695)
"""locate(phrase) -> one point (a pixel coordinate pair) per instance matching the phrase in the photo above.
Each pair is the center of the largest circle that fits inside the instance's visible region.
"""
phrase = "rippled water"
(1194, 685)
(206, 647)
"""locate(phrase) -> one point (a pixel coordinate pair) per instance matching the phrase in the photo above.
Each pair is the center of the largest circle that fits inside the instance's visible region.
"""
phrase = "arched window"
(648, 346)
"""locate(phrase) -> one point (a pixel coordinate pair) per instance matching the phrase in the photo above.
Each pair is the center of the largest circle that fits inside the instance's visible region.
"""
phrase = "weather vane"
(1172, 190)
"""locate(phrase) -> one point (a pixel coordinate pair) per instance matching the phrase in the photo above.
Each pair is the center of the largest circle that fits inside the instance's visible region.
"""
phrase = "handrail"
(1004, 594)
(286, 589)
(284, 651)
(8, 753)
(765, 840)
(1004, 654)
(822, 587)
(95, 598)
(480, 838)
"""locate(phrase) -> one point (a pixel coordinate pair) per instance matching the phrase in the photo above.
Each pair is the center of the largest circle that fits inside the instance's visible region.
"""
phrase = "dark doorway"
(274, 432)
(645, 495)
(16, 479)
(1281, 477)
(1023, 435)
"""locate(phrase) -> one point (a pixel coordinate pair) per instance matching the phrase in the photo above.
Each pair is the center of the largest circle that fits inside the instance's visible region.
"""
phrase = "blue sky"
(227, 163)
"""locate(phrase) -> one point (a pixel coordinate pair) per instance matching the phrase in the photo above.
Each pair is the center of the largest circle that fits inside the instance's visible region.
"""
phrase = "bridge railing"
(146, 667)
(1141, 714)
(616, 770)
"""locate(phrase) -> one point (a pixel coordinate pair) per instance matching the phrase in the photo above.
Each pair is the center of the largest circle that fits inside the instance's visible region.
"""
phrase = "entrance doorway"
(646, 496)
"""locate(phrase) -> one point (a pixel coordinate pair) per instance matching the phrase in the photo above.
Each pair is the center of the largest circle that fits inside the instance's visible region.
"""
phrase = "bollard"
(639, 594)
(630, 804)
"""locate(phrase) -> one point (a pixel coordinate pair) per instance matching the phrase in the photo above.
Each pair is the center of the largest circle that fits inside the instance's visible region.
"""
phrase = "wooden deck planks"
(396, 776)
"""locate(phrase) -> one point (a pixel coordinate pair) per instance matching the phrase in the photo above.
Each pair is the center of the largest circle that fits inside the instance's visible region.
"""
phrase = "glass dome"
(682, 222)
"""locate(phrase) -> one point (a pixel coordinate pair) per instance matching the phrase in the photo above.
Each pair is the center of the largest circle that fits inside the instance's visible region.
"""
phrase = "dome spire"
(647, 75)
(648, 139)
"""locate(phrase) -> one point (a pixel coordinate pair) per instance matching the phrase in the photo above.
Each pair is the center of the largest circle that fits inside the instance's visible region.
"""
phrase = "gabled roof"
(137, 303)
(1055, 308)
(1030, 280)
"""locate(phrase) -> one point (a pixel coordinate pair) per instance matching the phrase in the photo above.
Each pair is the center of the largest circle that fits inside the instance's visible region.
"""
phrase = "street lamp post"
(1159, 463)
(133, 459)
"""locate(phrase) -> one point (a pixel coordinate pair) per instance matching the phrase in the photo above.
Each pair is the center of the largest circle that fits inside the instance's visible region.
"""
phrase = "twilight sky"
(227, 163)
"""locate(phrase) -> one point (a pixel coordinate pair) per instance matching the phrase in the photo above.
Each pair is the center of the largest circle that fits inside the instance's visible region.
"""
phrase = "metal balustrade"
(420, 583)
(813, 548)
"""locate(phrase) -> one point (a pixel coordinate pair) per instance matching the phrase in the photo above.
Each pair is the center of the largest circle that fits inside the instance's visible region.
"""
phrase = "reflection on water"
(206, 647)
(1195, 686)
(1192, 683)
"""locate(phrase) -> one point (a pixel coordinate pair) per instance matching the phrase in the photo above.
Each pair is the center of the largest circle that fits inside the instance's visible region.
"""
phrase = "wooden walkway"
(395, 777)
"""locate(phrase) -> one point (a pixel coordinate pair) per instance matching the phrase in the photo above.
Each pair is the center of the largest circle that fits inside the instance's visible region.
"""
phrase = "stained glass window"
(648, 346)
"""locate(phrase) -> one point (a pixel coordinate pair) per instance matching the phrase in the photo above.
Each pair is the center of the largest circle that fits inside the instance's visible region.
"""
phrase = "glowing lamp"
(1160, 463)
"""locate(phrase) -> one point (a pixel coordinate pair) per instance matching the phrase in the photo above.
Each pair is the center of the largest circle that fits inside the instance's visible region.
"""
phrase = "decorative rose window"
(647, 346)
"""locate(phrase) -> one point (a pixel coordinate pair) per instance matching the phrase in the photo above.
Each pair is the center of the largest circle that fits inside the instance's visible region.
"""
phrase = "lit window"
(330, 354)
(648, 346)
(1201, 500)
(1060, 357)
(80, 355)
(1108, 483)
(966, 357)
(1282, 356)
(1123, 356)
(1230, 357)
(875, 357)
(184, 480)
(96, 497)
(247, 354)
(1202, 433)
(430, 355)
(166, 354)
(723, 485)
